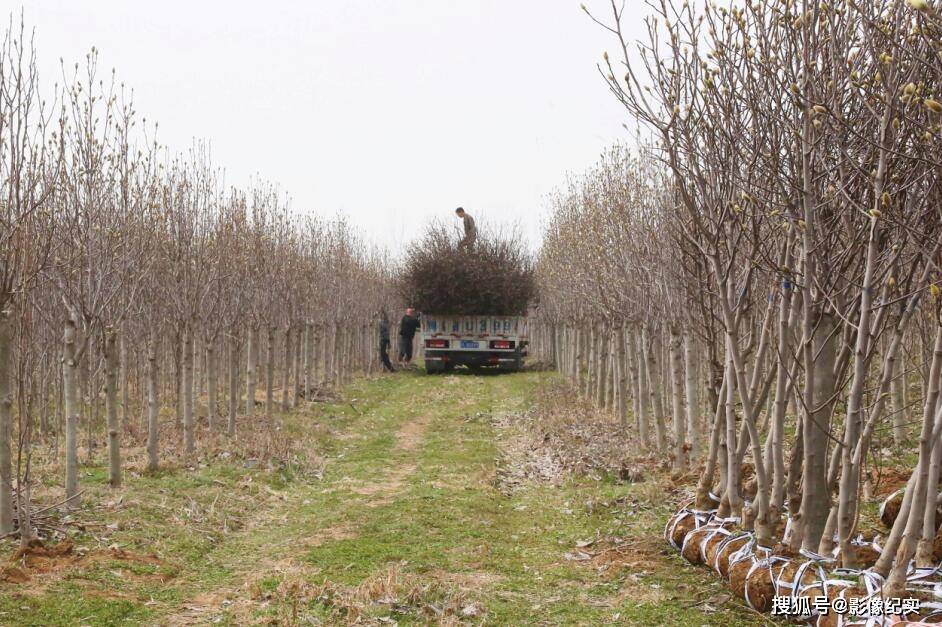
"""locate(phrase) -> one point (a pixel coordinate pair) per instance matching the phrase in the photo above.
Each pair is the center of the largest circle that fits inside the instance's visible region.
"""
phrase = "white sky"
(390, 112)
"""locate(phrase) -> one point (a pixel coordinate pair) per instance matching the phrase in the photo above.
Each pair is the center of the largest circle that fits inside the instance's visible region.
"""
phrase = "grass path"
(405, 525)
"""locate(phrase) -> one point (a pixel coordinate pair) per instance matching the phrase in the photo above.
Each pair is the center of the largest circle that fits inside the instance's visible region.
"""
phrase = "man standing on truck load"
(470, 230)
(384, 341)
(407, 328)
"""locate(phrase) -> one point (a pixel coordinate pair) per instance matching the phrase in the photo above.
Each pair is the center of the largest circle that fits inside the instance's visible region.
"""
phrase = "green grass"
(250, 544)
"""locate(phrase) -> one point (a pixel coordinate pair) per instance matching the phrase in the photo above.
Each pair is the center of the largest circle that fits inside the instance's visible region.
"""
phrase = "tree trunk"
(643, 394)
(931, 425)
(153, 403)
(270, 373)
(337, 355)
(816, 498)
(189, 440)
(6, 422)
(125, 383)
(900, 409)
(733, 470)
(793, 531)
(677, 399)
(692, 389)
(853, 424)
(601, 389)
(310, 359)
(714, 458)
(286, 374)
(298, 356)
(250, 371)
(178, 376)
(622, 373)
(926, 544)
(70, 384)
(783, 386)
(111, 408)
(591, 365)
(212, 381)
(611, 393)
(44, 408)
(651, 348)
(579, 363)
(234, 387)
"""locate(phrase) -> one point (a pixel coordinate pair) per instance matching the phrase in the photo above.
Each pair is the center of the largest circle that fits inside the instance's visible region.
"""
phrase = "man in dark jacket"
(384, 341)
(407, 328)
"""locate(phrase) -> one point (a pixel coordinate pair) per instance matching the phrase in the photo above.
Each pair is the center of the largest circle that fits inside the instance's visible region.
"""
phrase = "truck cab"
(477, 342)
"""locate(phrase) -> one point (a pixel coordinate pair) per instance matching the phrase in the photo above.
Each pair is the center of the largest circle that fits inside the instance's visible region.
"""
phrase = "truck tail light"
(436, 343)
(502, 344)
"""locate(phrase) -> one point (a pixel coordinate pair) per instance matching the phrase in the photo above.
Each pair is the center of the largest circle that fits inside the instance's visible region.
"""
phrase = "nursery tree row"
(140, 293)
(760, 282)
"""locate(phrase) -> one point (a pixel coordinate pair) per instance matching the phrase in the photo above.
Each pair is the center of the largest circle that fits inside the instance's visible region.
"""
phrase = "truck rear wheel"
(434, 367)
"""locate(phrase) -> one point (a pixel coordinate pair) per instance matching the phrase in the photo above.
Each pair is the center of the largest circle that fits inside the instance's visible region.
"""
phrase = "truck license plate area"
(468, 344)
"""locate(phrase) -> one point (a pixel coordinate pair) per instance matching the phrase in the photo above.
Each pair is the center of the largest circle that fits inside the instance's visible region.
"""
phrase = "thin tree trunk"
(189, 439)
(651, 347)
(44, 408)
(337, 355)
(270, 373)
(677, 392)
(111, 409)
(234, 387)
(931, 425)
(250, 371)
(212, 381)
(178, 376)
(782, 387)
(692, 389)
(793, 531)
(601, 394)
(579, 334)
(70, 384)
(153, 403)
(310, 358)
(612, 382)
(632, 365)
(591, 365)
(125, 383)
(705, 484)
(622, 374)
(6, 422)
(732, 458)
(286, 375)
(901, 415)
(643, 394)
(926, 544)
(298, 356)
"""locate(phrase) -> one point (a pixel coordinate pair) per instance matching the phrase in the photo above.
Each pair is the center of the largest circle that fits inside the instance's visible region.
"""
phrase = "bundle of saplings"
(492, 276)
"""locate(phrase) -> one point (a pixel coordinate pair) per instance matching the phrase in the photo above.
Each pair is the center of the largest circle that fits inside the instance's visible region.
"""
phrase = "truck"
(477, 342)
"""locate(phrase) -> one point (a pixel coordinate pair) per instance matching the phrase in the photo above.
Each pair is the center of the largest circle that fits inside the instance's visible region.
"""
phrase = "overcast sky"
(390, 112)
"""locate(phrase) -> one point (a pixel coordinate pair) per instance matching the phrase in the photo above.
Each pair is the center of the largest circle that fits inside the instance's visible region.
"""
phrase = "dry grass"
(563, 435)
(390, 592)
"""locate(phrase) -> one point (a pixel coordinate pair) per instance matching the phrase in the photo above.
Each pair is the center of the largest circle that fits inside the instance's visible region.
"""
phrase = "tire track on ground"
(239, 601)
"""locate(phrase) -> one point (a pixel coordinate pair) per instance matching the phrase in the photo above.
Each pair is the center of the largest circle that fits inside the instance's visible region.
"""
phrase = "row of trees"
(134, 280)
(762, 280)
